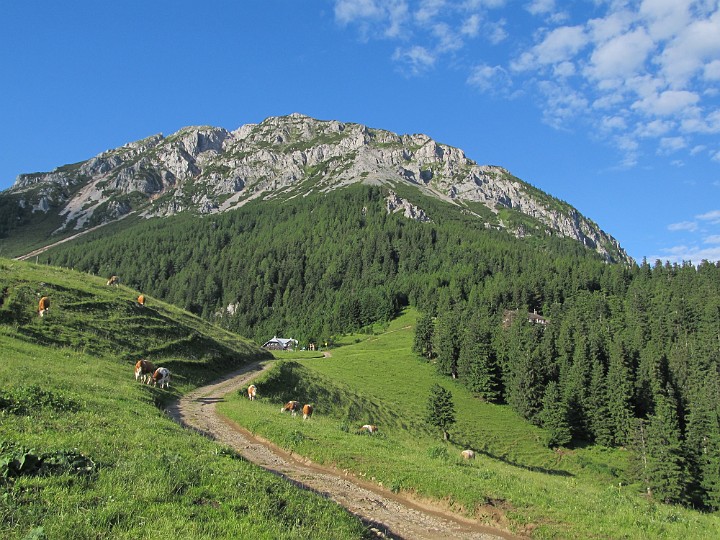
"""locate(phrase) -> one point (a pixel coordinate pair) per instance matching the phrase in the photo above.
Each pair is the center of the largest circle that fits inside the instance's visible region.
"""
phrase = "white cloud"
(711, 71)
(429, 10)
(448, 40)
(667, 103)
(620, 57)
(639, 74)
(654, 129)
(614, 123)
(668, 145)
(564, 69)
(665, 18)
(690, 226)
(347, 11)
(541, 7)
(681, 254)
(489, 79)
(709, 124)
(417, 59)
(685, 54)
(496, 32)
(560, 44)
(713, 239)
(471, 26)
(713, 217)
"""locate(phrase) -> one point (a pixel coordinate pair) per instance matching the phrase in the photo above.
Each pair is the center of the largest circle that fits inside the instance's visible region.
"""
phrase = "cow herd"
(146, 372)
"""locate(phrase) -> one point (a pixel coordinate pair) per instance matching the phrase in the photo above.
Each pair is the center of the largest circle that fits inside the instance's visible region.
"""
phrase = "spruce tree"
(440, 409)
(554, 416)
(619, 394)
(477, 366)
(666, 460)
(424, 331)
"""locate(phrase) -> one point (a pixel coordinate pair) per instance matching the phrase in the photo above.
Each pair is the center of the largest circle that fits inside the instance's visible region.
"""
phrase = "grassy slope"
(573, 494)
(66, 384)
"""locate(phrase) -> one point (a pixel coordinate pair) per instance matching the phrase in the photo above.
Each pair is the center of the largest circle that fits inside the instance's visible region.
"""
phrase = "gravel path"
(389, 515)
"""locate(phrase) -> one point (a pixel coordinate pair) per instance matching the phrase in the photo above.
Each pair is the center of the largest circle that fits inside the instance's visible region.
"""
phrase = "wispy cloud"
(712, 217)
(684, 253)
(691, 226)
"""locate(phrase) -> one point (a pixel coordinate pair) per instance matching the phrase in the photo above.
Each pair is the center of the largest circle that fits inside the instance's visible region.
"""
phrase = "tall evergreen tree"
(424, 332)
(619, 393)
(477, 366)
(598, 414)
(441, 409)
(554, 416)
(666, 460)
(446, 342)
(703, 441)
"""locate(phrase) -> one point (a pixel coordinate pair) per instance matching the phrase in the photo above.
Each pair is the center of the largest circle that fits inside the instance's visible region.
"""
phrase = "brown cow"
(292, 406)
(43, 306)
(114, 280)
(252, 390)
(144, 370)
(369, 428)
(141, 299)
(307, 411)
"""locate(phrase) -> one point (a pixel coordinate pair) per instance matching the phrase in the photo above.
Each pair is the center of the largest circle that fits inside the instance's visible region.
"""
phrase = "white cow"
(161, 377)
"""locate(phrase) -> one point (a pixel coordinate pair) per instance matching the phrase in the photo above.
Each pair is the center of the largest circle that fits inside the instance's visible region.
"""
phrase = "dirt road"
(389, 515)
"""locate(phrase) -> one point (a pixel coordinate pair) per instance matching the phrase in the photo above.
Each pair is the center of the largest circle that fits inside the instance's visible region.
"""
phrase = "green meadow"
(536, 491)
(86, 452)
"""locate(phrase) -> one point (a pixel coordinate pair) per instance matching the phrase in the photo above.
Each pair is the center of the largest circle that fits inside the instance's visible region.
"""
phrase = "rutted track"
(388, 514)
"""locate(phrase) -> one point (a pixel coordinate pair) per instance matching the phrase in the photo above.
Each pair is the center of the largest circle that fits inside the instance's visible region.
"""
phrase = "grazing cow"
(141, 299)
(467, 454)
(144, 370)
(43, 306)
(307, 411)
(252, 390)
(114, 280)
(369, 428)
(292, 406)
(161, 377)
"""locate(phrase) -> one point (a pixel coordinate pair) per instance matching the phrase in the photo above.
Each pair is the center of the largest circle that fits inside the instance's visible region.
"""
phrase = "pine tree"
(619, 394)
(446, 342)
(703, 441)
(554, 416)
(597, 408)
(666, 460)
(440, 409)
(424, 331)
(477, 366)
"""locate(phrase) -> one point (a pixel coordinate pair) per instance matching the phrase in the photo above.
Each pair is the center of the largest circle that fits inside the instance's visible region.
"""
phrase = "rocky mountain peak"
(209, 169)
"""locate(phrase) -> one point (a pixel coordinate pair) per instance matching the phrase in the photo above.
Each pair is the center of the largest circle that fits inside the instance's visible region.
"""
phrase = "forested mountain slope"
(628, 355)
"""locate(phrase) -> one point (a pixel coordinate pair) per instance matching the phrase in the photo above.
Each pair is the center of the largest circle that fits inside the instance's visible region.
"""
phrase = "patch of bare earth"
(388, 515)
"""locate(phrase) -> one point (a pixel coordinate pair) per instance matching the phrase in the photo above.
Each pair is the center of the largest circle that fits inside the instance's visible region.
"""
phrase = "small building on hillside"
(533, 318)
(280, 344)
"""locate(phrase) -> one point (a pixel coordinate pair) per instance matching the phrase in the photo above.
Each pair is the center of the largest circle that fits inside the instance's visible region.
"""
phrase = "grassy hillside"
(84, 450)
(579, 493)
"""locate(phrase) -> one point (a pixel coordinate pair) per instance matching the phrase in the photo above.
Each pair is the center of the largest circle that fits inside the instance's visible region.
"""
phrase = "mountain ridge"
(205, 169)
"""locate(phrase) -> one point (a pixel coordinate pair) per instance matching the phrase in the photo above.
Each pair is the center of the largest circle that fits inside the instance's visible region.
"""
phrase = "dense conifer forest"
(594, 352)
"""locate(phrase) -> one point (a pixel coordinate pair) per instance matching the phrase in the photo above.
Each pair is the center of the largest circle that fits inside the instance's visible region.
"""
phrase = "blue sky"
(612, 106)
